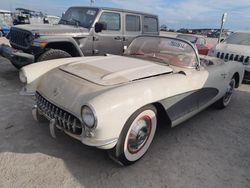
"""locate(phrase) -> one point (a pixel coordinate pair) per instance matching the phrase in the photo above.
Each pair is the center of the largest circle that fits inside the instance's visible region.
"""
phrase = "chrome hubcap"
(139, 134)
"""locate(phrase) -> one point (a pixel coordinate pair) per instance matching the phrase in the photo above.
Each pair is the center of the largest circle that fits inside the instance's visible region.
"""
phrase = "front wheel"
(53, 54)
(225, 100)
(136, 136)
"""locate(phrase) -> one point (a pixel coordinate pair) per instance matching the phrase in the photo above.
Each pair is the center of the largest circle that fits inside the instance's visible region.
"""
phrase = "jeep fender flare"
(56, 43)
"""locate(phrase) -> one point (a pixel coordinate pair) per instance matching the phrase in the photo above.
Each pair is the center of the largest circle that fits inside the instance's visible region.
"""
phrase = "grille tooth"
(236, 58)
(226, 56)
(64, 121)
(74, 125)
(68, 123)
(241, 58)
(46, 107)
(246, 60)
(231, 57)
(222, 56)
(218, 54)
(53, 111)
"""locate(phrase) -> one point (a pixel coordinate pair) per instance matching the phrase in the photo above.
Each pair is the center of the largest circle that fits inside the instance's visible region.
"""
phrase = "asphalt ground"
(210, 150)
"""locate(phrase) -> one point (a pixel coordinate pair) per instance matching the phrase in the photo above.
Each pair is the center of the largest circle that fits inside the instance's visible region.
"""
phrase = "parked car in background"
(4, 28)
(116, 102)
(82, 31)
(236, 47)
(163, 28)
(20, 19)
(52, 19)
(199, 41)
(5, 15)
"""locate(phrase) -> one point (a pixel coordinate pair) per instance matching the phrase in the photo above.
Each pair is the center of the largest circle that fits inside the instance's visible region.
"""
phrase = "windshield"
(190, 38)
(169, 51)
(79, 16)
(238, 38)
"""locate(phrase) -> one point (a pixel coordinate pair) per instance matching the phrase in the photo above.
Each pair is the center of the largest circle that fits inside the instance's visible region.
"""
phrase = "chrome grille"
(64, 119)
(20, 38)
(232, 57)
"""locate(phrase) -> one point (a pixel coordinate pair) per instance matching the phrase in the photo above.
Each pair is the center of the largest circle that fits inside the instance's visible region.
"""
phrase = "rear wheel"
(225, 100)
(136, 136)
(53, 54)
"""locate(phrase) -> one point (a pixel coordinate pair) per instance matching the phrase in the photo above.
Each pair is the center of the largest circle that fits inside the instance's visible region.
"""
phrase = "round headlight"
(88, 117)
(22, 76)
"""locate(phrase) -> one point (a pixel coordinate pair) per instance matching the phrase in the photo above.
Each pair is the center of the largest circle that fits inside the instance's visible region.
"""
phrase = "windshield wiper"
(77, 22)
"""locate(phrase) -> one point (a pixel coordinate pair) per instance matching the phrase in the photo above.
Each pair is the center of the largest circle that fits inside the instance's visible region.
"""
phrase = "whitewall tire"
(136, 136)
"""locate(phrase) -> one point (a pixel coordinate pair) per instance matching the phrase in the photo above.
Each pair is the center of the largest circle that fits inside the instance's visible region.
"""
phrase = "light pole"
(92, 2)
(223, 20)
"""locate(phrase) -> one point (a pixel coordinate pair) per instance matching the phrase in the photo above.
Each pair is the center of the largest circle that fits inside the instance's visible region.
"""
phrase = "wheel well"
(65, 46)
(162, 115)
(236, 76)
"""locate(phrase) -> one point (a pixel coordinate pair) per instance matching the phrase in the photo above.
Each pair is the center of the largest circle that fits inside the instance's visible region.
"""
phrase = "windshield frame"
(196, 66)
(185, 37)
(74, 21)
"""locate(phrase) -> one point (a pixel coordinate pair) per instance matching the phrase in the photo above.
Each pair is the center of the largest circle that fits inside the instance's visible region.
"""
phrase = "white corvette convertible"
(116, 102)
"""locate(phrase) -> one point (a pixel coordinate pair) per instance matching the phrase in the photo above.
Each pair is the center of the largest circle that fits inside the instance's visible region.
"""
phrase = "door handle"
(124, 39)
(118, 38)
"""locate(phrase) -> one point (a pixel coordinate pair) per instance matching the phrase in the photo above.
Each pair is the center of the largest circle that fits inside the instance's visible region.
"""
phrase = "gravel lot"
(210, 150)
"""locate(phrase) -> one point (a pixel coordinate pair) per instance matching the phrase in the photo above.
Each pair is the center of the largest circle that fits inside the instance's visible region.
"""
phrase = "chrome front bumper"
(90, 141)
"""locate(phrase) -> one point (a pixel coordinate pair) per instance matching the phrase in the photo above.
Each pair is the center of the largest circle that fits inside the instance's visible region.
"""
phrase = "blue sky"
(174, 13)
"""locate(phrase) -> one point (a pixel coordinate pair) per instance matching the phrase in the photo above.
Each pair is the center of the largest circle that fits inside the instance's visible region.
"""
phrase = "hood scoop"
(113, 70)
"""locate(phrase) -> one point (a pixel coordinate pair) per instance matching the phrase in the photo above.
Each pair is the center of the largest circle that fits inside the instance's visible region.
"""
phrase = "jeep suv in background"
(82, 31)
(236, 47)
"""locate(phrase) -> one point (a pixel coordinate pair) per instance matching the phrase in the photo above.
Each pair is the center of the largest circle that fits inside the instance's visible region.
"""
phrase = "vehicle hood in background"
(233, 48)
(48, 29)
(112, 70)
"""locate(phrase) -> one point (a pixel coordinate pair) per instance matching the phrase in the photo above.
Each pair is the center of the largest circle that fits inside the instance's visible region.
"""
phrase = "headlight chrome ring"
(89, 117)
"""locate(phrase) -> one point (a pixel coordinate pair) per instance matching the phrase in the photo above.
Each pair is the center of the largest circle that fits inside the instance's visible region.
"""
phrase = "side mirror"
(99, 26)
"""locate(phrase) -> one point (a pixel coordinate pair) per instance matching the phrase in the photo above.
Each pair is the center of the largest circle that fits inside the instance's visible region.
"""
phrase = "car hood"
(113, 70)
(48, 29)
(233, 48)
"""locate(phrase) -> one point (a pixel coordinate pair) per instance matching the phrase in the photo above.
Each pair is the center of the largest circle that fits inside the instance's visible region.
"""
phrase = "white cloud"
(193, 13)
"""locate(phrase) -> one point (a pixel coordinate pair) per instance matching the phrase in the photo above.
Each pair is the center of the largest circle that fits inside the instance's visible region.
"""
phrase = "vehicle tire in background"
(53, 54)
(136, 136)
(225, 100)
(18, 66)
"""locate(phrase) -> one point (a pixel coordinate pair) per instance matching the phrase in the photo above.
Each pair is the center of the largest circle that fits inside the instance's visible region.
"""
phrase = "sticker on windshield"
(178, 44)
(91, 12)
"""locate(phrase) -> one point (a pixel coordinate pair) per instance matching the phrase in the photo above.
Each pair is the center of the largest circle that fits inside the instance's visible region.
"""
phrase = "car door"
(110, 39)
(216, 84)
(132, 28)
